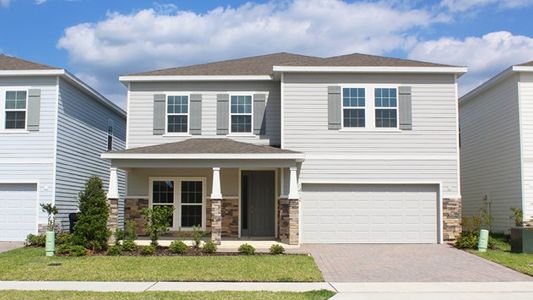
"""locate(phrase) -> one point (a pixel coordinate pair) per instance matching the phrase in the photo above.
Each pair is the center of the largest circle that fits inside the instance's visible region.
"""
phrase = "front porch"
(248, 193)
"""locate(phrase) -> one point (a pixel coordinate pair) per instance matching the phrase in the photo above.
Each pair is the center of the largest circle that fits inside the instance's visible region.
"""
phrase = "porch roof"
(205, 148)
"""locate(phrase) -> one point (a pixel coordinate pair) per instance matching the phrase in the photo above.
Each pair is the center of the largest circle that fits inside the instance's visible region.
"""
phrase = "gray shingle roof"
(14, 63)
(207, 146)
(262, 65)
(526, 64)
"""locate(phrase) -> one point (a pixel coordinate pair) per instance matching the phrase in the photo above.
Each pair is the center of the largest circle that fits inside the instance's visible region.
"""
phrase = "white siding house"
(496, 122)
(53, 129)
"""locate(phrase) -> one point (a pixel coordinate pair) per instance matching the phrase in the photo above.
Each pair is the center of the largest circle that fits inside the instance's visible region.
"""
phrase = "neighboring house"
(346, 149)
(496, 122)
(53, 128)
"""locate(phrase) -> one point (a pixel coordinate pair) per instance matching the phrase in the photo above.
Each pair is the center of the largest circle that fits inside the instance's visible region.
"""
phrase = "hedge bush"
(247, 249)
(178, 247)
(209, 247)
(276, 249)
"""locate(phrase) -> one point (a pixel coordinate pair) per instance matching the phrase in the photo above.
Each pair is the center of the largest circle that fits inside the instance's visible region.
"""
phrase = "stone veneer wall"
(132, 211)
(451, 218)
(289, 221)
(112, 221)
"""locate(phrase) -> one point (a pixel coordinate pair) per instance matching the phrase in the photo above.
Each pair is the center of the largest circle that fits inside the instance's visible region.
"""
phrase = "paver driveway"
(6, 246)
(405, 263)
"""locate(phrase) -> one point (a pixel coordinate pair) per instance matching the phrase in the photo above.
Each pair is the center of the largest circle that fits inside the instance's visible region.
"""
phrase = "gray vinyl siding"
(526, 109)
(141, 103)
(427, 153)
(28, 157)
(490, 152)
(82, 138)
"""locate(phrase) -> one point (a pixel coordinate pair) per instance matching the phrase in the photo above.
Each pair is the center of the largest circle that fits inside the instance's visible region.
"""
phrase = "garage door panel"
(369, 213)
(18, 210)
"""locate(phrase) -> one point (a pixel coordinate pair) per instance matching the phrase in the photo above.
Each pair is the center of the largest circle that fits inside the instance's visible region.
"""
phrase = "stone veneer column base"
(289, 221)
(451, 219)
(216, 220)
(112, 221)
(132, 212)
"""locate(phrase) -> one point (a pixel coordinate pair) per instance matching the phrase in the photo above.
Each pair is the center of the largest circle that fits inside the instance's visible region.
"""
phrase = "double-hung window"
(178, 114)
(15, 109)
(163, 195)
(353, 107)
(386, 107)
(191, 203)
(241, 114)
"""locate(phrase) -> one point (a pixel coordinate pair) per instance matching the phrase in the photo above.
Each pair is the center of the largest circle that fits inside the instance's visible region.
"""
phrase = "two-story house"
(346, 149)
(53, 128)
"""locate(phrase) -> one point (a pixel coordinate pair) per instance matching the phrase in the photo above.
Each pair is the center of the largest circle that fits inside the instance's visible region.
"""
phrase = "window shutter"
(222, 113)
(334, 107)
(259, 113)
(405, 114)
(159, 114)
(34, 109)
(196, 114)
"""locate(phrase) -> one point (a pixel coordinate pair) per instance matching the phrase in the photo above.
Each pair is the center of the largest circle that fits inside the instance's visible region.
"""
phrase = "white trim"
(523, 159)
(457, 138)
(382, 156)
(31, 72)
(522, 68)
(440, 216)
(173, 94)
(282, 110)
(236, 156)
(56, 130)
(4, 110)
(371, 181)
(137, 197)
(344, 69)
(128, 95)
(251, 114)
(134, 78)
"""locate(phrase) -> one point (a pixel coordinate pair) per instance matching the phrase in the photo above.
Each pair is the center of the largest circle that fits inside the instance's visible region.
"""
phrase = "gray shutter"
(259, 113)
(222, 113)
(159, 114)
(334, 107)
(405, 114)
(34, 109)
(196, 114)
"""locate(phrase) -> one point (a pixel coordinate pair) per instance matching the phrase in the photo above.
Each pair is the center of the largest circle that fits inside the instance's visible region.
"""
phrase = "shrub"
(119, 235)
(209, 247)
(91, 229)
(130, 230)
(247, 249)
(38, 240)
(158, 220)
(276, 249)
(114, 250)
(128, 245)
(148, 250)
(71, 250)
(63, 238)
(197, 236)
(178, 247)
(517, 216)
(470, 240)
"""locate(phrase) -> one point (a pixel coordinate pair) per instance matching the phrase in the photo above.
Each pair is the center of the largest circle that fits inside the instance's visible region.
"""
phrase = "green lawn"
(60, 295)
(31, 264)
(502, 255)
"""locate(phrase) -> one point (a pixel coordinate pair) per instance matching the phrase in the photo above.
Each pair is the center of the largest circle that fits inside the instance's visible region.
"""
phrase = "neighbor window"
(109, 135)
(15, 110)
(177, 114)
(386, 107)
(241, 114)
(163, 195)
(191, 203)
(353, 107)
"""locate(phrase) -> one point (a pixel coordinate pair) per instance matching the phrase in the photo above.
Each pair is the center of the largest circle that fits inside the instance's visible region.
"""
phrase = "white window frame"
(188, 114)
(177, 205)
(354, 107)
(370, 107)
(3, 110)
(251, 132)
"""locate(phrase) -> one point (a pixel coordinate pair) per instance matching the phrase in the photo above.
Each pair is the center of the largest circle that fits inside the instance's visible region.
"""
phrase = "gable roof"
(526, 64)
(264, 64)
(15, 63)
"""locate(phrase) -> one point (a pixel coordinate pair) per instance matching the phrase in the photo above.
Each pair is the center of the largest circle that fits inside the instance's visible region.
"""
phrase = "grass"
(60, 295)
(31, 264)
(521, 262)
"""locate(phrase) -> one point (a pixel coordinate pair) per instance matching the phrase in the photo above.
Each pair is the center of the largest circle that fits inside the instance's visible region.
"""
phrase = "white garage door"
(18, 211)
(369, 213)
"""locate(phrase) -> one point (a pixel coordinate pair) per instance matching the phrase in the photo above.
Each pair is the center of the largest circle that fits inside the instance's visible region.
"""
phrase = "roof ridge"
(388, 58)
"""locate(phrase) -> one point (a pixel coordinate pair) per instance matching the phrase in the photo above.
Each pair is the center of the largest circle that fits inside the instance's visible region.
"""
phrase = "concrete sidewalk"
(345, 290)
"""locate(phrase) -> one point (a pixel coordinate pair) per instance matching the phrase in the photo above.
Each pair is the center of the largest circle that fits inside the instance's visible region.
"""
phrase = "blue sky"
(99, 40)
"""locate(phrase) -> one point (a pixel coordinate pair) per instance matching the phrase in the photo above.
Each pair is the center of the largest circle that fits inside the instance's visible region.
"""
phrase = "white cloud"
(5, 3)
(485, 56)
(464, 5)
(154, 38)
(39, 2)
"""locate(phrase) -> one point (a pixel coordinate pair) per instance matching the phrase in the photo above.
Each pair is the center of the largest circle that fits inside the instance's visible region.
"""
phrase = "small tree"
(91, 229)
(158, 220)
(51, 210)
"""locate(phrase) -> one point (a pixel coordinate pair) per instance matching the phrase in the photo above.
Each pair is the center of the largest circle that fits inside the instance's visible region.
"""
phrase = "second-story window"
(386, 107)
(109, 135)
(353, 107)
(15, 109)
(241, 114)
(178, 114)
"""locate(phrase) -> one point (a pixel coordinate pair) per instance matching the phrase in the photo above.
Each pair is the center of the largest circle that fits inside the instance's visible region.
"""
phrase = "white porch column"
(112, 199)
(216, 207)
(293, 184)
